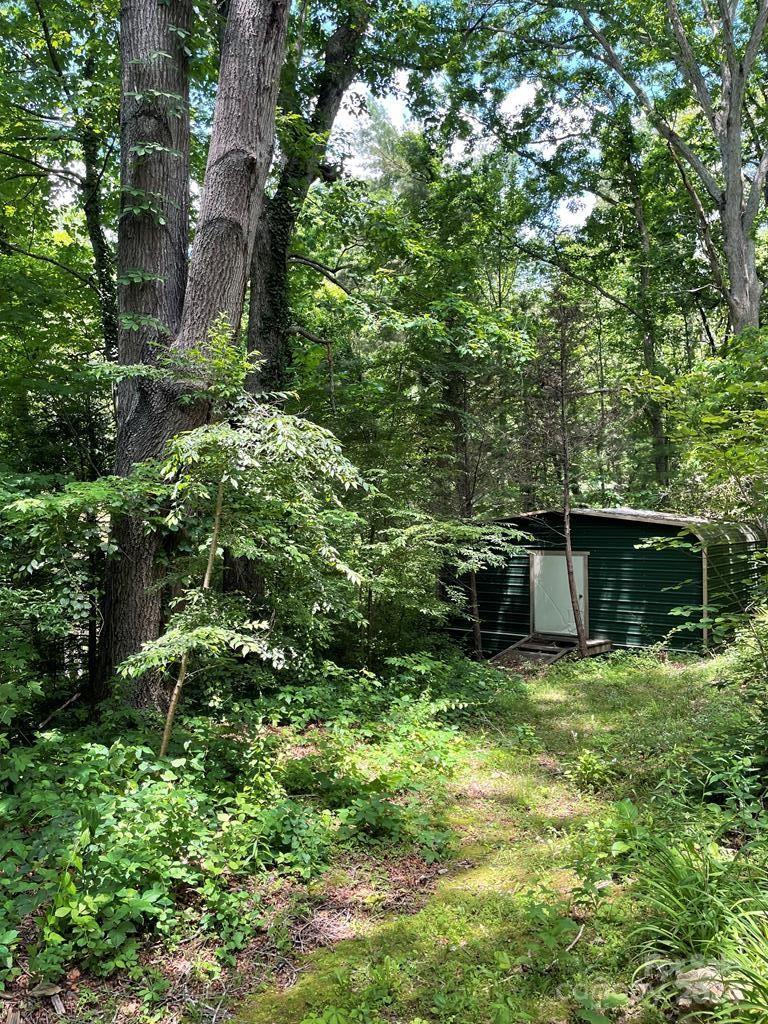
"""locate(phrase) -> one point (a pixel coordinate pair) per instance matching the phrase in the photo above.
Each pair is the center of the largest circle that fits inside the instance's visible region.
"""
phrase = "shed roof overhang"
(708, 531)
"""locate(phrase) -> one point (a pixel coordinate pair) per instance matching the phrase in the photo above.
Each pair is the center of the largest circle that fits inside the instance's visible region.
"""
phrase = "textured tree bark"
(160, 303)
(269, 313)
(154, 223)
(152, 266)
(745, 287)
(269, 317)
(739, 201)
(238, 161)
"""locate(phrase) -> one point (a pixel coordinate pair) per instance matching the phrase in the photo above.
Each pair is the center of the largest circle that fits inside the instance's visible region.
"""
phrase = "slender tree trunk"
(578, 618)
(207, 580)
(462, 479)
(474, 610)
(269, 316)
(103, 261)
(601, 430)
(93, 208)
(90, 187)
(581, 631)
(653, 411)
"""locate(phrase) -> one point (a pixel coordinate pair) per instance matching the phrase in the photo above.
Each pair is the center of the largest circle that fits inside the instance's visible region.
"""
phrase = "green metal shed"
(627, 589)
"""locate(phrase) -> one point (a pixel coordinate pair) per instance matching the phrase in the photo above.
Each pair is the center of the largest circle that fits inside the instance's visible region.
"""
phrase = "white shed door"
(551, 595)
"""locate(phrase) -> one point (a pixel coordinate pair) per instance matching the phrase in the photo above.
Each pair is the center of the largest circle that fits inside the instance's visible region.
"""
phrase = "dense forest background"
(297, 303)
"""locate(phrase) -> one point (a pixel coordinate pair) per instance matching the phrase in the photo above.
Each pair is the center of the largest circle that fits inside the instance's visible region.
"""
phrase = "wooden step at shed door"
(537, 648)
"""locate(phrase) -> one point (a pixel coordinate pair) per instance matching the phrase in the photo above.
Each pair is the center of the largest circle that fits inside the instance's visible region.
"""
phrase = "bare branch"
(309, 335)
(56, 171)
(8, 247)
(690, 66)
(35, 175)
(498, 127)
(321, 269)
(70, 700)
(561, 265)
(109, 150)
(36, 113)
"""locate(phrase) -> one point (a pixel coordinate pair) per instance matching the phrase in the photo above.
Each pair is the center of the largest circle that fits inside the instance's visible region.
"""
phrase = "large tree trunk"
(152, 269)
(269, 318)
(745, 287)
(150, 412)
(739, 200)
(238, 161)
(269, 314)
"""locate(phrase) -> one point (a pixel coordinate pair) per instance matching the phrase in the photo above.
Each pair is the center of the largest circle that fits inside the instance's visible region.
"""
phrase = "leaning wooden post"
(578, 618)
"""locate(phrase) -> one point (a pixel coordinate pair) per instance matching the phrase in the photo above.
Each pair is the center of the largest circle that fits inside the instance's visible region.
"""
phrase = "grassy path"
(500, 939)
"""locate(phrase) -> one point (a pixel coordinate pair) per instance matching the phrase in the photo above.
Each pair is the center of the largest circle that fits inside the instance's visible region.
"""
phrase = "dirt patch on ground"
(513, 661)
(550, 764)
(356, 891)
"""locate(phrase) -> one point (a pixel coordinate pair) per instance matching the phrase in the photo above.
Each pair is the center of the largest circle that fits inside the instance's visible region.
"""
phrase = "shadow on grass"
(484, 945)
(494, 942)
(467, 952)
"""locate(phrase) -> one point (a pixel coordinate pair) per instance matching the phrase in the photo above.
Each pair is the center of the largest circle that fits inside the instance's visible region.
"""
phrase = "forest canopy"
(302, 303)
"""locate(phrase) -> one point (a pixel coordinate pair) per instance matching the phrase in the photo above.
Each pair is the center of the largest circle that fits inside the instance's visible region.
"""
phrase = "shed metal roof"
(710, 531)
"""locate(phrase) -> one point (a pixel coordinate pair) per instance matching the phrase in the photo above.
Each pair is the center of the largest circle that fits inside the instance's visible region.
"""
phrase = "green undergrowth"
(590, 834)
(606, 844)
(105, 846)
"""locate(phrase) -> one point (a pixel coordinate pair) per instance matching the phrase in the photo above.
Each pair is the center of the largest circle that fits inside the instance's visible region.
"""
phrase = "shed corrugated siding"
(732, 574)
(631, 592)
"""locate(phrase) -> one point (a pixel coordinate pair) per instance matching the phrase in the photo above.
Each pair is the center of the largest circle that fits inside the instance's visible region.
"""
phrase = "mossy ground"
(501, 939)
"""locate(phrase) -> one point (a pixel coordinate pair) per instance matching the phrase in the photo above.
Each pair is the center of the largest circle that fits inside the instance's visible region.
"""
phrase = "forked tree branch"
(327, 272)
(612, 60)
(689, 66)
